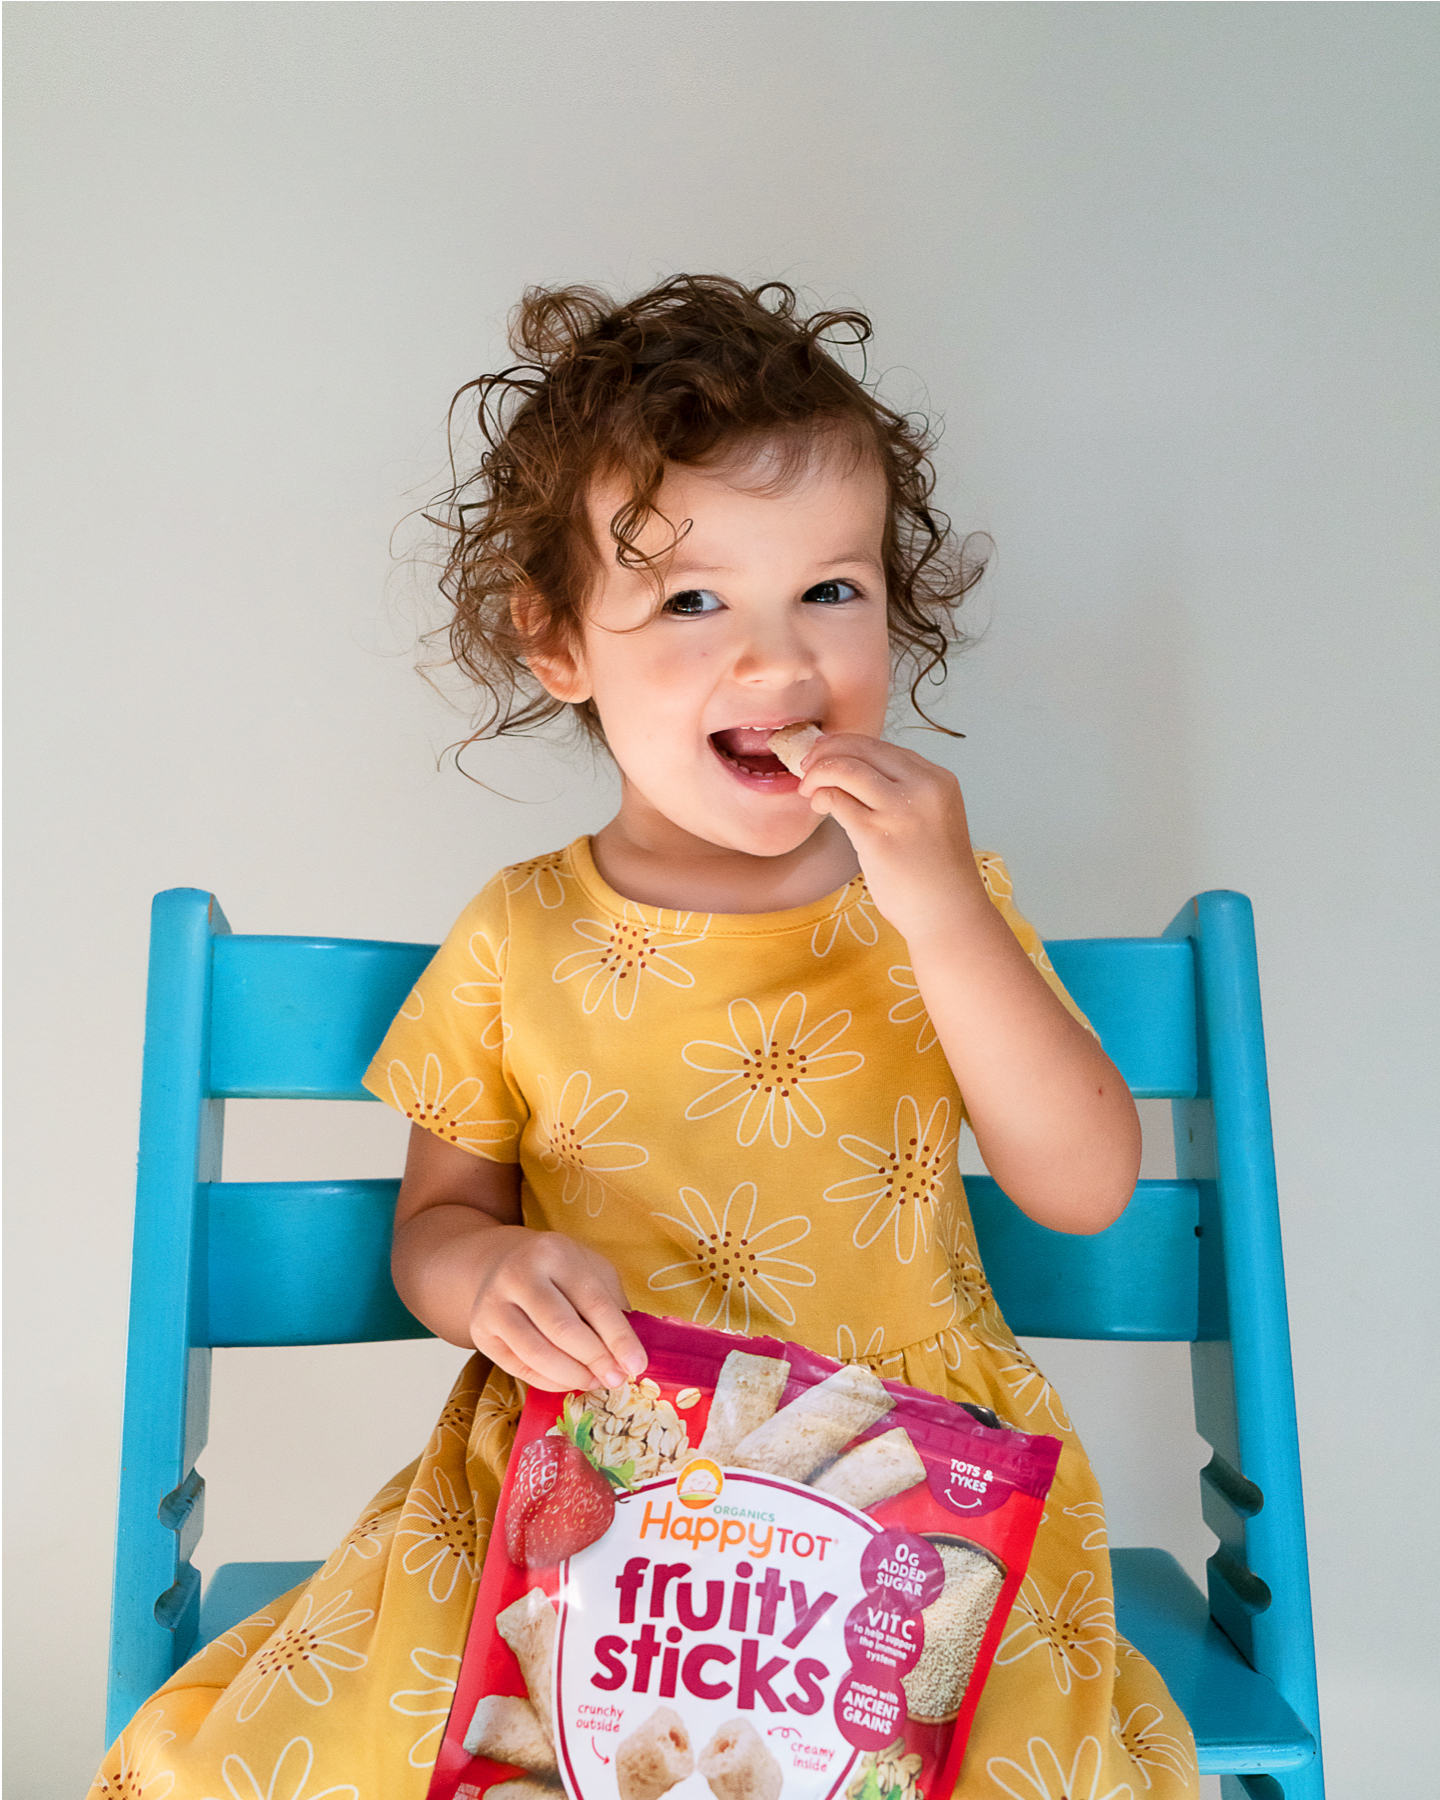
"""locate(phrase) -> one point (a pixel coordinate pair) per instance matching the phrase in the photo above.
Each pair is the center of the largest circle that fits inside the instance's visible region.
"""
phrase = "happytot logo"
(699, 1482)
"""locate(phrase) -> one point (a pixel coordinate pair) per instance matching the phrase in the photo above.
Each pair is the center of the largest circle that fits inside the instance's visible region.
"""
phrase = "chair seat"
(1240, 1722)
(236, 1590)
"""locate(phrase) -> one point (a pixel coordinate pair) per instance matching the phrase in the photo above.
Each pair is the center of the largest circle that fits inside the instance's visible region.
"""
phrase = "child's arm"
(1051, 1113)
(539, 1305)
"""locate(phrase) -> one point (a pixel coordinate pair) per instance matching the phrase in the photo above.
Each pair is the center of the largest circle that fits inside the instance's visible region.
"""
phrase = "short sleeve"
(998, 886)
(442, 1062)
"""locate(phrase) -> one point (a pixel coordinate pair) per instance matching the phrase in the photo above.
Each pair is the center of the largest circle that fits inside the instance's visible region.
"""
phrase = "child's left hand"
(906, 819)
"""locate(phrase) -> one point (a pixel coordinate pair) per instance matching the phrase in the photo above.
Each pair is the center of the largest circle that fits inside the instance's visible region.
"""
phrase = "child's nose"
(772, 653)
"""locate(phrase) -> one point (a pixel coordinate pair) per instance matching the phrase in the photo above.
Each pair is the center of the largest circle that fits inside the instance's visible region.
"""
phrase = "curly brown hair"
(692, 372)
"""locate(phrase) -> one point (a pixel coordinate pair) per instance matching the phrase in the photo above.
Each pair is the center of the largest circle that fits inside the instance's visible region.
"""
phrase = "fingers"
(557, 1319)
(517, 1345)
(887, 759)
(895, 789)
(851, 776)
(877, 774)
(845, 809)
(626, 1354)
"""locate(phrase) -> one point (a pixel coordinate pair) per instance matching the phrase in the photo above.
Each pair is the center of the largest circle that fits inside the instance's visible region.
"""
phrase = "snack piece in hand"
(793, 743)
(508, 1730)
(560, 1503)
(523, 1788)
(654, 1757)
(738, 1765)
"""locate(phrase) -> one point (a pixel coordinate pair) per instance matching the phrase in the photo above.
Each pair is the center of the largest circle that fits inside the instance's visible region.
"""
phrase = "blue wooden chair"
(1196, 1259)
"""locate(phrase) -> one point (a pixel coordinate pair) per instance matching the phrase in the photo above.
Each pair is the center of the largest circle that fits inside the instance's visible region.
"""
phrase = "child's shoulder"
(534, 887)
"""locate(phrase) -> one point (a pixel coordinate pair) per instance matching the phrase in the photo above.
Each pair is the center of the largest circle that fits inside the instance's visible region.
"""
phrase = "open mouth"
(745, 749)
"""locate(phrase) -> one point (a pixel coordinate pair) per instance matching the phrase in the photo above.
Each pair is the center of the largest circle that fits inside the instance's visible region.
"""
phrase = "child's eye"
(831, 593)
(692, 602)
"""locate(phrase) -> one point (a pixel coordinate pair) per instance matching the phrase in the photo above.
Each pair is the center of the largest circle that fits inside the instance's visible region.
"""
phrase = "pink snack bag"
(755, 1572)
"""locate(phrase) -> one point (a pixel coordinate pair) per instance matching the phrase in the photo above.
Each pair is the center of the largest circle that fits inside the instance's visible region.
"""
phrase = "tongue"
(750, 748)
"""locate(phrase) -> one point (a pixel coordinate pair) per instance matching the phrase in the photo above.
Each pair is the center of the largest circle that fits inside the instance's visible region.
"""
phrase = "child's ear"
(559, 671)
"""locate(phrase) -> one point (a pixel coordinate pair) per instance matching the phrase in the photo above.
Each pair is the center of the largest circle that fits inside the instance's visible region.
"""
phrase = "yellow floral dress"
(751, 1116)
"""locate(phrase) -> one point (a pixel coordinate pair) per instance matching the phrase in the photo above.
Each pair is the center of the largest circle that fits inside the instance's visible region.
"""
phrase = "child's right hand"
(551, 1312)
(541, 1306)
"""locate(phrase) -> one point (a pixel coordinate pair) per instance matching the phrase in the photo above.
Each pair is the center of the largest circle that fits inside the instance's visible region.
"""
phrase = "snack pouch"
(755, 1572)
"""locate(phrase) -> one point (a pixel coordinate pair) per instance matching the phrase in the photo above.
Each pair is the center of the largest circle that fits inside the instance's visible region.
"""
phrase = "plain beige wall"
(1170, 274)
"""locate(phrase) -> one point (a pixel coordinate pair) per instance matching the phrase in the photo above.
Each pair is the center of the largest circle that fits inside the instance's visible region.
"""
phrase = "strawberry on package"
(754, 1573)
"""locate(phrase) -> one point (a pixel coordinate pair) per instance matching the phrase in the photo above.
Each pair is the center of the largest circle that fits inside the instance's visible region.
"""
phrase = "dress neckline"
(793, 918)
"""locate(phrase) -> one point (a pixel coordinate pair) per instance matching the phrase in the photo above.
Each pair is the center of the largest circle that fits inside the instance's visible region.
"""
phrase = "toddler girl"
(710, 1061)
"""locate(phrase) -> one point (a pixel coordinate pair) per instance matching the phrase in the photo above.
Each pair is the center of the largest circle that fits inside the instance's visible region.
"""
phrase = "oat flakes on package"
(754, 1573)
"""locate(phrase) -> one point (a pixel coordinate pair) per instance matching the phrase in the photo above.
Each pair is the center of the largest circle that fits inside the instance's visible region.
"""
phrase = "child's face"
(774, 612)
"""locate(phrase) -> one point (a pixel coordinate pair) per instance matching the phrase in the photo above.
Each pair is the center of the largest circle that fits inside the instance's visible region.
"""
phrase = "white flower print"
(735, 1269)
(136, 1777)
(301, 1653)
(851, 909)
(965, 1282)
(545, 874)
(903, 1182)
(1045, 1779)
(289, 1780)
(444, 1535)
(995, 876)
(414, 1007)
(367, 1537)
(449, 1112)
(911, 1008)
(441, 1672)
(847, 1346)
(484, 992)
(769, 1069)
(570, 1138)
(624, 951)
(262, 1624)
(1032, 1391)
(1147, 1747)
(955, 1344)
(455, 1419)
(1095, 1538)
(497, 1413)
(1069, 1631)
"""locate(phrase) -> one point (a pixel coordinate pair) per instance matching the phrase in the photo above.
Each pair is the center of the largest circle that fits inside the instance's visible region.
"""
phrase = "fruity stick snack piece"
(747, 1391)
(522, 1788)
(813, 1429)
(528, 1627)
(793, 743)
(508, 1730)
(738, 1765)
(874, 1471)
(654, 1757)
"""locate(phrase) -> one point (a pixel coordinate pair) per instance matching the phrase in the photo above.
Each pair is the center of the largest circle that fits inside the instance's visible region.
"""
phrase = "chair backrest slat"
(1139, 994)
(299, 1018)
(302, 1262)
(1137, 1281)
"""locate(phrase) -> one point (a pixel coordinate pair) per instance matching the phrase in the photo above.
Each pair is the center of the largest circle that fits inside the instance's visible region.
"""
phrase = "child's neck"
(658, 867)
